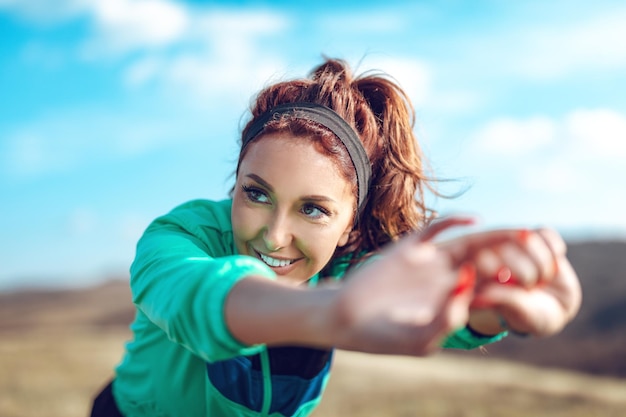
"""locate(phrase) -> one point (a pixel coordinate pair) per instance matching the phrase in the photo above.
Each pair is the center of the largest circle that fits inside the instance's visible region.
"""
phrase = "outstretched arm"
(416, 293)
(405, 302)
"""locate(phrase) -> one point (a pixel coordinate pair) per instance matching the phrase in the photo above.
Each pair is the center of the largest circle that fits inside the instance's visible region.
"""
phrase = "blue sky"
(114, 111)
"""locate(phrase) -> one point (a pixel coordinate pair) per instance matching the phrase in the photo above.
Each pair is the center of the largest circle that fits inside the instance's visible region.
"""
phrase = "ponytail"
(383, 116)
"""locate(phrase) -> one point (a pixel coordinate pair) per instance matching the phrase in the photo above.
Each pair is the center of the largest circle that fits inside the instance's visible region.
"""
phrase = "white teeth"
(274, 262)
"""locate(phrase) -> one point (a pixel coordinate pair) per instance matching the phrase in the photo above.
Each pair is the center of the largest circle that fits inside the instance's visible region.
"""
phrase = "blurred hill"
(593, 343)
(105, 305)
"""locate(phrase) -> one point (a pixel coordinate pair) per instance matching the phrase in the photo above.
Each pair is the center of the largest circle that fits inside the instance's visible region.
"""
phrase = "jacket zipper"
(267, 383)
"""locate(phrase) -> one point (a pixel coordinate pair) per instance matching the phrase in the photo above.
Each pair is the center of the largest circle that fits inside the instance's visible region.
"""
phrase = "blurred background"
(112, 112)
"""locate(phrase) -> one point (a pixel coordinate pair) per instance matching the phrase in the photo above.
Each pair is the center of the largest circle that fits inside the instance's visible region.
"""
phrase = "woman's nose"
(277, 234)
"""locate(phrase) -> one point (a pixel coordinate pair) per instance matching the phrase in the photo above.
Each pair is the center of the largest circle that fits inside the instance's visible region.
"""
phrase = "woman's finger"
(517, 256)
(541, 310)
(438, 226)
(522, 266)
(468, 246)
(489, 265)
(527, 311)
(506, 263)
(554, 241)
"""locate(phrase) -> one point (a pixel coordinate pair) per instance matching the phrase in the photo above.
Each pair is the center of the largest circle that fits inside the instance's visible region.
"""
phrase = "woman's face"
(291, 206)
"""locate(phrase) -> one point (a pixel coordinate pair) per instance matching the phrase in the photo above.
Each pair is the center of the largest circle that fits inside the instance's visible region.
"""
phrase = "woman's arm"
(416, 293)
(405, 302)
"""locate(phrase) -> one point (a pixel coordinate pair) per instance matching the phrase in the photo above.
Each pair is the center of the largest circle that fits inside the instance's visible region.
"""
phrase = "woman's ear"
(343, 239)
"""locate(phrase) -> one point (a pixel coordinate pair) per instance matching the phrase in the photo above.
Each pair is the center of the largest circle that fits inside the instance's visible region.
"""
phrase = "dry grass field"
(57, 349)
(54, 372)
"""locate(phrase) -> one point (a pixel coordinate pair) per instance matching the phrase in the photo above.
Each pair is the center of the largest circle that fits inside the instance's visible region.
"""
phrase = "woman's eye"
(254, 194)
(314, 211)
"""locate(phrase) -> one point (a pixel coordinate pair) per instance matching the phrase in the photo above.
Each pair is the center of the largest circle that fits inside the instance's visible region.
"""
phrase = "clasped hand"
(418, 290)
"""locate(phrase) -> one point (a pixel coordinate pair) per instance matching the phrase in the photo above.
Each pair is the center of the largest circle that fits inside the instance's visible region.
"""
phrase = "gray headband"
(331, 120)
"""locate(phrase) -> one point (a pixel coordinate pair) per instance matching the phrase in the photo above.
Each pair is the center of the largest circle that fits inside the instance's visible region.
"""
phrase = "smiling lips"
(275, 263)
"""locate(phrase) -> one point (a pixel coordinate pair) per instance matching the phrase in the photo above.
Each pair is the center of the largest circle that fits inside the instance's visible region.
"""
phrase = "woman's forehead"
(289, 154)
(279, 145)
(293, 162)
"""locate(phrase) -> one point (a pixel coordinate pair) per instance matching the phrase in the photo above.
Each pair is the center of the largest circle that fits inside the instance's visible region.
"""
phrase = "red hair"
(383, 116)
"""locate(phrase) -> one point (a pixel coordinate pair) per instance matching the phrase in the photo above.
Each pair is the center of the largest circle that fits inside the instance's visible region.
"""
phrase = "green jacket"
(182, 360)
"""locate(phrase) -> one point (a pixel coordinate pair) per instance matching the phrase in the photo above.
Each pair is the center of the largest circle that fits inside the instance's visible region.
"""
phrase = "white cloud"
(198, 53)
(598, 132)
(554, 176)
(511, 137)
(218, 59)
(118, 28)
(560, 49)
(583, 148)
(529, 44)
(207, 78)
(456, 101)
(221, 54)
(125, 25)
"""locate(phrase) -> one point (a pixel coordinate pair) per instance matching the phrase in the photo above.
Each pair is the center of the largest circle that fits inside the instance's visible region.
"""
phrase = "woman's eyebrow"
(318, 198)
(261, 181)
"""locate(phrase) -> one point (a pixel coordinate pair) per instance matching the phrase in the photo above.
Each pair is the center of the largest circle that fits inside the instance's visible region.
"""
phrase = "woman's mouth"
(275, 263)
(281, 266)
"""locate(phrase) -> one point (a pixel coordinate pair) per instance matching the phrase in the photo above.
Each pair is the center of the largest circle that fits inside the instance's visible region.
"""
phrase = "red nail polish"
(504, 275)
(523, 235)
(466, 280)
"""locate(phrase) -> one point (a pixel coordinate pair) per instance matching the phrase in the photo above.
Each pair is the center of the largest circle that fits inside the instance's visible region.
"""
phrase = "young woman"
(326, 243)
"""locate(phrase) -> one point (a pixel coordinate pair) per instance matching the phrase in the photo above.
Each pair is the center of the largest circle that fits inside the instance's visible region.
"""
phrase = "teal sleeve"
(466, 339)
(182, 289)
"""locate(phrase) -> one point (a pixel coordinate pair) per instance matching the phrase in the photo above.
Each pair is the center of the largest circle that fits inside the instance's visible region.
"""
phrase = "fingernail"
(466, 279)
(504, 275)
(523, 235)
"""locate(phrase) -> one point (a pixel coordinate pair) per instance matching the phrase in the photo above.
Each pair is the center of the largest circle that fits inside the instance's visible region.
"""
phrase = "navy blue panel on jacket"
(297, 375)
